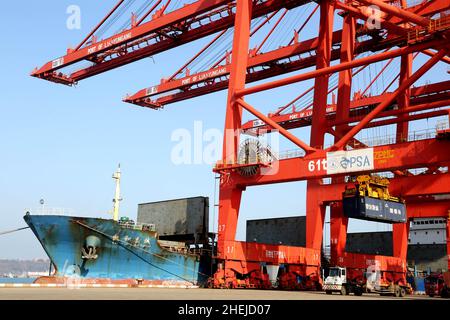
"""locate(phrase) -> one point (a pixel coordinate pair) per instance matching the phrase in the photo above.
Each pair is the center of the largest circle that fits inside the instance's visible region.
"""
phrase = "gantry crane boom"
(265, 65)
(186, 24)
(164, 32)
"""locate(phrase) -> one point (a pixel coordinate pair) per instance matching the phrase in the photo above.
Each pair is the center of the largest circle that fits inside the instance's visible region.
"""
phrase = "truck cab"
(336, 281)
(436, 285)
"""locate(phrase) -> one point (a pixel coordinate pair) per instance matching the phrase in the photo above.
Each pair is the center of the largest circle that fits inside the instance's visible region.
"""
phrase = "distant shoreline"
(23, 269)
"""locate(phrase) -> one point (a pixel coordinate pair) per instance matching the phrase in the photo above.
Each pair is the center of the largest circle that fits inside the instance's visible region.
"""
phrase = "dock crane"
(405, 30)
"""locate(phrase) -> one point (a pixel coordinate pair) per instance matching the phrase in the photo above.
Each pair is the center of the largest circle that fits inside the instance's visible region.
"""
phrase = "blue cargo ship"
(95, 248)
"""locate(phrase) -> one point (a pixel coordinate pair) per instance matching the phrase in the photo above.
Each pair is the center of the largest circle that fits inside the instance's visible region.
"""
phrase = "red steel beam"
(407, 155)
(132, 34)
(343, 66)
(428, 209)
(338, 221)
(431, 54)
(262, 59)
(210, 79)
(255, 252)
(398, 12)
(361, 261)
(276, 126)
(412, 186)
(189, 34)
(138, 33)
(230, 198)
(212, 86)
(315, 212)
(361, 14)
(437, 91)
(403, 86)
(279, 110)
(425, 9)
(408, 118)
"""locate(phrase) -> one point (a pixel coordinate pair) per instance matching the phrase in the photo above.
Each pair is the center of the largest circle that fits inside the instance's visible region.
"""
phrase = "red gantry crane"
(336, 105)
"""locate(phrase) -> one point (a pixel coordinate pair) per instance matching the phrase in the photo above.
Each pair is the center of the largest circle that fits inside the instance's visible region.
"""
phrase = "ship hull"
(91, 248)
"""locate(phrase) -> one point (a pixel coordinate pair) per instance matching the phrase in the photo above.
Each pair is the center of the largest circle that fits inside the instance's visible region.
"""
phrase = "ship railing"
(138, 226)
(199, 251)
(51, 211)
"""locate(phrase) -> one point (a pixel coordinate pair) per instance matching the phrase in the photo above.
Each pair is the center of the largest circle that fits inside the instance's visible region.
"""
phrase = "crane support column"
(315, 209)
(404, 97)
(338, 221)
(400, 231)
(230, 195)
(338, 232)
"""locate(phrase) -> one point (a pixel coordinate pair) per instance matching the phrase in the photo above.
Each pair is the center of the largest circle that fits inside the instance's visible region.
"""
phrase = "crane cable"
(12, 231)
(138, 13)
(111, 21)
(217, 50)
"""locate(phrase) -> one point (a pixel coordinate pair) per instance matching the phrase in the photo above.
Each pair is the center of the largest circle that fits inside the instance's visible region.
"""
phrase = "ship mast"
(116, 201)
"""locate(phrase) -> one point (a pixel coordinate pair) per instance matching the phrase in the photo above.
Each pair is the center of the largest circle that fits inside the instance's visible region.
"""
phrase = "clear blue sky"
(62, 144)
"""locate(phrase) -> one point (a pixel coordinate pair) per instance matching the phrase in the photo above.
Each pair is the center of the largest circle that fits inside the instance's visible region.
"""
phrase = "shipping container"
(373, 209)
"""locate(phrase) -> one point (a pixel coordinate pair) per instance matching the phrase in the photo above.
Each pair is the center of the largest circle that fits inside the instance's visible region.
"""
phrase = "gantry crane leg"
(230, 195)
(315, 208)
(400, 231)
(338, 221)
(338, 232)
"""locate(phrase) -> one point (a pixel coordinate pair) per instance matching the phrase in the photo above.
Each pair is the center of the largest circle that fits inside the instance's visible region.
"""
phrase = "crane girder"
(196, 20)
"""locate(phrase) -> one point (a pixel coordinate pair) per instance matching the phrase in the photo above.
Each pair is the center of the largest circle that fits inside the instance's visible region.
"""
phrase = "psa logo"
(349, 161)
(359, 162)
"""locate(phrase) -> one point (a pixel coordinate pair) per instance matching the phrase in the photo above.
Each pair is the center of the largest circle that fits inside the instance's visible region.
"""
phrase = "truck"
(339, 280)
(438, 284)
(369, 199)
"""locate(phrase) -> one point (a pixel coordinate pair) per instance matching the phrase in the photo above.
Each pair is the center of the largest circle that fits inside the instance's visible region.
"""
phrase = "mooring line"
(12, 231)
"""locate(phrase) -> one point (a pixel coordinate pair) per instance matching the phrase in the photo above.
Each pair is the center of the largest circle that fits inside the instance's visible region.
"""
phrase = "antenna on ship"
(116, 201)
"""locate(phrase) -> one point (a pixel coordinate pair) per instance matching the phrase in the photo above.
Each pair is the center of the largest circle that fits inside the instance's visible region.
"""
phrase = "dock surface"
(176, 294)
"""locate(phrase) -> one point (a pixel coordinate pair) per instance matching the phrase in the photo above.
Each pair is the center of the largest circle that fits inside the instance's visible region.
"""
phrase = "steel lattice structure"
(406, 30)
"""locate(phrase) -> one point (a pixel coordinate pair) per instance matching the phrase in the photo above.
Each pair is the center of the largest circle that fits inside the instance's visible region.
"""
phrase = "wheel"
(402, 292)
(343, 291)
(444, 293)
(358, 292)
(397, 291)
(329, 292)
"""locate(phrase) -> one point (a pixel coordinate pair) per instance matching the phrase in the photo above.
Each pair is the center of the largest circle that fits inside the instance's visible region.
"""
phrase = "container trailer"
(358, 282)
